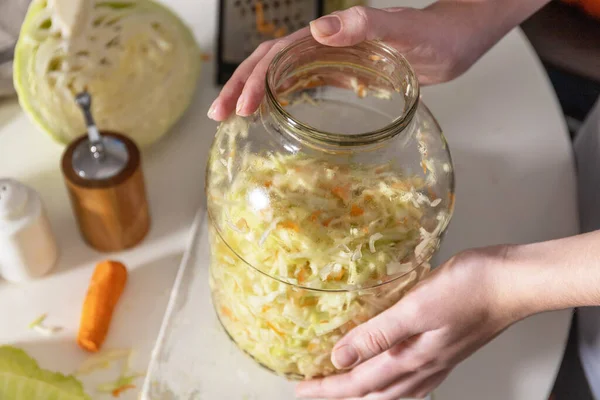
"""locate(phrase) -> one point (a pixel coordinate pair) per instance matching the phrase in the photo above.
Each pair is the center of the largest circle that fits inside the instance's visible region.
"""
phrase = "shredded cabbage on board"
(303, 249)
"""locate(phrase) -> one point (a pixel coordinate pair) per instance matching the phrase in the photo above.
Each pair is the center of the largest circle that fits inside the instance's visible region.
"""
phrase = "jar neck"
(367, 69)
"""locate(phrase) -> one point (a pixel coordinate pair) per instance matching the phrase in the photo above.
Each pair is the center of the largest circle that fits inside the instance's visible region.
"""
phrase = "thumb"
(374, 337)
(355, 25)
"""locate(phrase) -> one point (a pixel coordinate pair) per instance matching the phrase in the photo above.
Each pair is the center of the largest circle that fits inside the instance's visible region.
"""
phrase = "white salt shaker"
(28, 249)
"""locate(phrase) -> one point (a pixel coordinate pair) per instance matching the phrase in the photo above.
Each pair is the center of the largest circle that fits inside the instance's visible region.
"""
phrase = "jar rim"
(377, 48)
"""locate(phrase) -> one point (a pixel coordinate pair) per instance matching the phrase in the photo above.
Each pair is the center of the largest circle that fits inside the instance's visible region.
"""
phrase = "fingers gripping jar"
(326, 205)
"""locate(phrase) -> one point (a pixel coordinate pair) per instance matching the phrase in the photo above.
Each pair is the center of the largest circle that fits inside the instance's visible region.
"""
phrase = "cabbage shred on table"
(303, 249)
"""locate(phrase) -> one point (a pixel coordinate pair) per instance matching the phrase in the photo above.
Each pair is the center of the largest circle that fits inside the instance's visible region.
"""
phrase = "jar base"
(288, 376)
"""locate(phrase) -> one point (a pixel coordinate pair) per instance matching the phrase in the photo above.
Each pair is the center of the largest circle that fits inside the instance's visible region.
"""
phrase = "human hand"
(438, 41)
(408, 350)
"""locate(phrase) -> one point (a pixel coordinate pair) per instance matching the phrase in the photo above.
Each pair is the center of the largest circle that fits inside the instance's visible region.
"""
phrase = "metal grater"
(240, 35)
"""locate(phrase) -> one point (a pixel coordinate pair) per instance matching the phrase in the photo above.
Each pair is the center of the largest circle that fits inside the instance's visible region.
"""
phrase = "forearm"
(483, 22)
(551, 275)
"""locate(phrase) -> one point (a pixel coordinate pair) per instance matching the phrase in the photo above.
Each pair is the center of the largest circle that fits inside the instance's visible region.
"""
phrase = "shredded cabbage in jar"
(303, 250)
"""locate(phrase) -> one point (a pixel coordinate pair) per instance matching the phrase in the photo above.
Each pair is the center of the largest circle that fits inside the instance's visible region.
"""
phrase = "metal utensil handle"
(84, 100)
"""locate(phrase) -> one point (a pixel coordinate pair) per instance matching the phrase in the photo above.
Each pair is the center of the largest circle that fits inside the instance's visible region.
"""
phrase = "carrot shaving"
(302, 276)
(242, 224)
(284, 103)
(289, 225)
(431, 194)
(451, 196)
(260, 14)
(401, 186)
(361, 91)
(117, 392)
(356, 211)
(264, 309)
(374, 57)
(313, 217)
(266, 28)
(327, 222)
(274, 329)
(343, 192)
(280, 32)
(268, 184)
(313, 84)
(312, 347)
(365, 229)
(424, 166)
(227, 312)
(350, 325)
(105, 289)
(336, 277)
(309, 302)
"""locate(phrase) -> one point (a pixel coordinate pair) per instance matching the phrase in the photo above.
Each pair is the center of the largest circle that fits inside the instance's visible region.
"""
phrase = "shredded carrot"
(312, 347)
(365, 229)
(361, 91)
(313, 217)
(274, 329)
(302, 276)
(336, 277)
(266, 308)
(327, 222)
(451, 196)
(260, 14)
(284, 103)
(266, 28)
(374, 57)
(424, 166)
(280, 32)
(310, 301)
(343, 192)
(431, 194)
(289, 225)
(356, 211)
(227, 312)
(313, 83)
(104, 291)
(117, 392)
(401, 186)
(242, 224)
(268, 184)
(379, 170)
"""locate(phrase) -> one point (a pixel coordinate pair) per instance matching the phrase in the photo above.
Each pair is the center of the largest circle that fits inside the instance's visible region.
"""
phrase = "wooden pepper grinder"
(103, 175)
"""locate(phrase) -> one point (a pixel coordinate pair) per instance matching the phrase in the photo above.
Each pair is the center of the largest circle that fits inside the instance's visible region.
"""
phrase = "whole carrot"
(106, 286)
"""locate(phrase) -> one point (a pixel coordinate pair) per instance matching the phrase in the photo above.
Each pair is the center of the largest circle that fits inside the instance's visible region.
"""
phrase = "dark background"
(567, 41)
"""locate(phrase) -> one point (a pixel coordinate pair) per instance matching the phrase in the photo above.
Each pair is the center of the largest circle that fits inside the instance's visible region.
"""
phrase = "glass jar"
(326, 205)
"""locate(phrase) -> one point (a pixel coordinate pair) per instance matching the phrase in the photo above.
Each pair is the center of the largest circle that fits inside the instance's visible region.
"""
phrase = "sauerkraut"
(304, 249)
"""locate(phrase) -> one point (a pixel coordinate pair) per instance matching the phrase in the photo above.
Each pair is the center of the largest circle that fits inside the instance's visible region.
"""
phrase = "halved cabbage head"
(137, 59)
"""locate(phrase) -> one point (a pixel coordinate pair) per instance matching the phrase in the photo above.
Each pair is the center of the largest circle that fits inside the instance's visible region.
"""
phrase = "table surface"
(515, 183)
